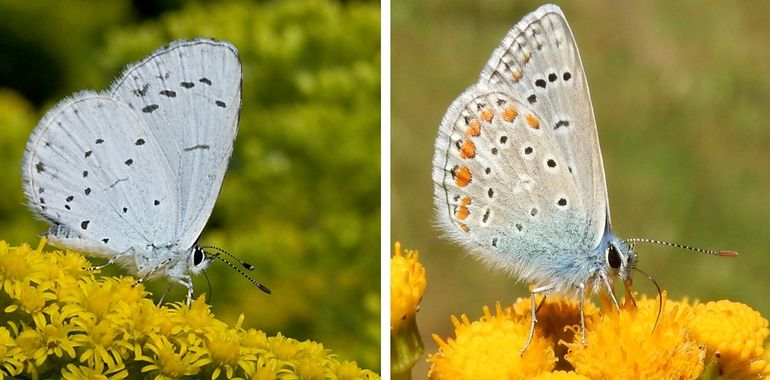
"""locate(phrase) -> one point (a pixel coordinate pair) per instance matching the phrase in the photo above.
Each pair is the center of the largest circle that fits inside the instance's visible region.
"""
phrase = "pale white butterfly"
(518, 173)
(132, 173)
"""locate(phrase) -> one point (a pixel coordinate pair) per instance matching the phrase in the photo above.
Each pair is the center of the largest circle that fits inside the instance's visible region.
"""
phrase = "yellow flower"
(489, 349)
(557, 320)
(266, 369)
(349, 371)
(19, 268)
(735, 336)
(560, 375)
(169, 360)
(11, 356)
(105, 328)
(29, 299)
(100, 372)
(622, 345)
(407, 284)
(101, 344)
(226, 354)
(55, 331)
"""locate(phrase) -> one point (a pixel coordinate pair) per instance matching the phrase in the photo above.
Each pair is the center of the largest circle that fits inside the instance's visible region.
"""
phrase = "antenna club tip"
(264, 289)
(728, 253)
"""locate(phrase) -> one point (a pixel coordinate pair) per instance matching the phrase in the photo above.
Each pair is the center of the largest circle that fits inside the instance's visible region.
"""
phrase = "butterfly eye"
(198, 256)
(613, 257)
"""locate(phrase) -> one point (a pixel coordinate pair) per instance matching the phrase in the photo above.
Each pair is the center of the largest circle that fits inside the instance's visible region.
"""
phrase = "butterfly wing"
(93, 168)
(502, 184)
(189, 95)
(538, 60)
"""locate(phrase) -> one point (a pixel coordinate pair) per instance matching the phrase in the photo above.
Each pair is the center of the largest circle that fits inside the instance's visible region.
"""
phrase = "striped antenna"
(217, 255)
(682, 246)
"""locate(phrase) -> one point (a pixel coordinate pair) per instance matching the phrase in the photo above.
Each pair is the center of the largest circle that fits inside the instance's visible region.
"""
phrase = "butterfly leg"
(163, 296)
(611, 292)
(153, 270)
(581, 301)
(110, 261)
(186, 281)
(533, 309)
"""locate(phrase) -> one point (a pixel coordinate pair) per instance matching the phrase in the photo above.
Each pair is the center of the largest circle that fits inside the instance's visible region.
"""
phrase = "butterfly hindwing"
(501, 181)
(93, 169)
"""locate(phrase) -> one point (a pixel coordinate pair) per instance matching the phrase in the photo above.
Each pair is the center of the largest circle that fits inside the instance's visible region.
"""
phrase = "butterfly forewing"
(189, 95)
(91, 167)
(538, 62)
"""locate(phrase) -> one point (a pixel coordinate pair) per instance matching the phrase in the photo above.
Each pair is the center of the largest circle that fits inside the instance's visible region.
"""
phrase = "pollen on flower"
(489, 349)
(735, 335)
(63, 322)
(560, 375)
(664, 353)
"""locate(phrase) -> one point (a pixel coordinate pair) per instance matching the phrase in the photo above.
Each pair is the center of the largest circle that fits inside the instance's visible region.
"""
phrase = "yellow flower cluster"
(60, 321)
(690, 341)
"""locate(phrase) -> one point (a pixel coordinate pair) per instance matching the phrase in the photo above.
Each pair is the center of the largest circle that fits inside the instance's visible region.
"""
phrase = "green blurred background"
(681, 92)
(301, 199)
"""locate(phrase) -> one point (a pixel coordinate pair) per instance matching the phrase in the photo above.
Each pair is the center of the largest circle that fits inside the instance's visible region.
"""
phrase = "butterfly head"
(198, 260)
(620, 258)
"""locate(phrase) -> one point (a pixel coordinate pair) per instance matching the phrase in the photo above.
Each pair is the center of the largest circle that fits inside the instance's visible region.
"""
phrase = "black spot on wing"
(168, 93)
(187, 85)
(150, 108)
(199, 146)
(220, 103)
(205, 80)
(142, 91)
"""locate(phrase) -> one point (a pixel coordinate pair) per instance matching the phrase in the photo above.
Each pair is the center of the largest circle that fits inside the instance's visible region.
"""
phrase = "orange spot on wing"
(463, 227)
(516, 75)
(509, 113)
(468, 149)
(487, 114)
(474, 128)
(525, 57)
(462, 211)
(462, 176)
(533, 122)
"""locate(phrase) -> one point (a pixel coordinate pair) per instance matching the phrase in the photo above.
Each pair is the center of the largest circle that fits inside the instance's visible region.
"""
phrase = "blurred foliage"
(681, 101)
(301, 198)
